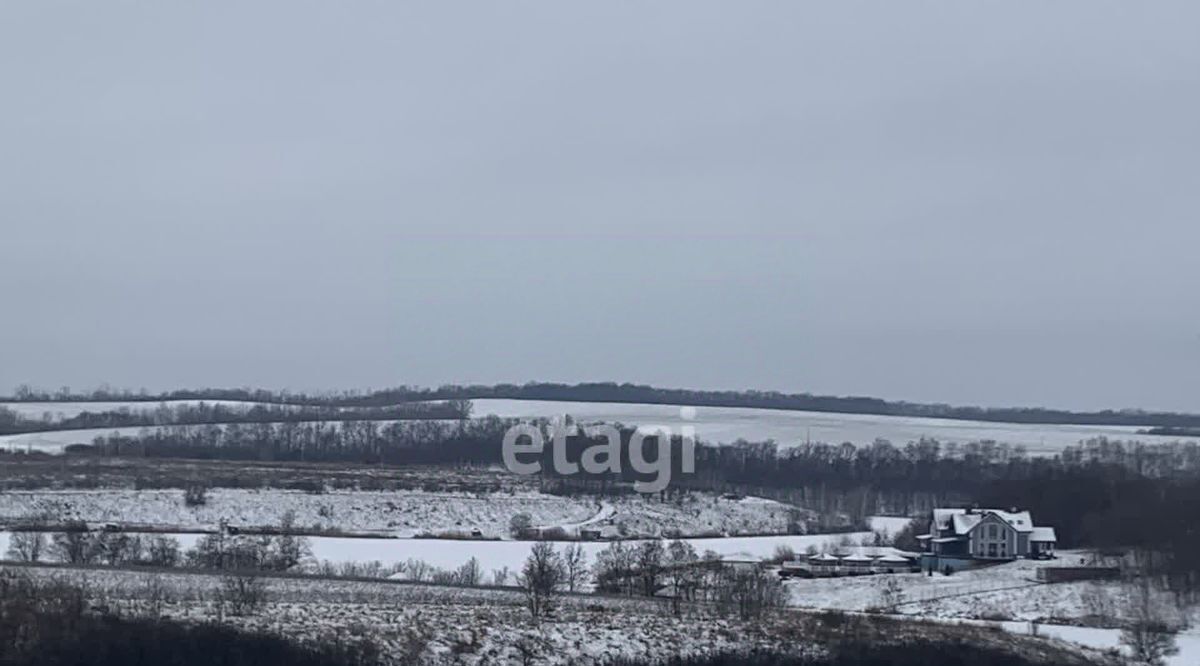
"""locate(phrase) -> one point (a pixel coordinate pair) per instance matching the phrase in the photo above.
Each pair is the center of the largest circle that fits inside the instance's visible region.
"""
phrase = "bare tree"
(891, 592)
(783, 553)
(288, 550)
(26, 546)
(195, 495)
(469, 574)
(649, 565)
(682, 572)
(1149, 637)
(74, 546)
(500, 576)
(115, 548)
(156, 595)
(163, 551)
(242, 593)
(418, 570)
(541, 579)
(613, 571)
(748, 592)
(575, 562)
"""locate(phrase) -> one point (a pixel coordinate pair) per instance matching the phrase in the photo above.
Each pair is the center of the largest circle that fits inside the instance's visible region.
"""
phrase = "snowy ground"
(407, 513)
(1004, 592)
(492, 555)
(443, 625)
(788, 428)
(476, 626)
(1188, 642)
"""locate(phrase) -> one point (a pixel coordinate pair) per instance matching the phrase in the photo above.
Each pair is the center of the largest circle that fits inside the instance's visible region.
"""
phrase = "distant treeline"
(12, 422)
(635, 393)
(1169, 431)
(407, 442)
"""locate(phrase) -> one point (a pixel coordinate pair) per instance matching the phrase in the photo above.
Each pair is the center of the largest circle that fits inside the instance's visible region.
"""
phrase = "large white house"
(987, 534)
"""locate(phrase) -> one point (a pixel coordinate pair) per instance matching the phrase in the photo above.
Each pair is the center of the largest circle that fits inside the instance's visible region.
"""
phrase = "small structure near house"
(824, 564)
(1041, 543)
(860, 561)
(890, 564)
(857, 564)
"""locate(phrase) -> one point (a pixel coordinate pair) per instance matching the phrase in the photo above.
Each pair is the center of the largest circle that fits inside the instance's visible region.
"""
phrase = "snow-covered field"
(713, 424)
(788, 428)
(406, 513)
(1188, 642)
(1007, 595)
(497, 554)
(483, 626)
(1004, 592)
(441, 625)
(450, 554)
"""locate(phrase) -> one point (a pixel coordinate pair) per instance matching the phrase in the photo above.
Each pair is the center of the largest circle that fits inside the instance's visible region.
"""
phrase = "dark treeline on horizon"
(204, 413)
(636, 393)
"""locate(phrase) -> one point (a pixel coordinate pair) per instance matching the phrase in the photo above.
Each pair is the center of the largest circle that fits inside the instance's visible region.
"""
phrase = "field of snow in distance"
(788, 428)
(447, 554)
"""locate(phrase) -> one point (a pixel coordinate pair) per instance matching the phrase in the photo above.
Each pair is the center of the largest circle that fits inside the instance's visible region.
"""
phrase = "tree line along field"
(46, 425)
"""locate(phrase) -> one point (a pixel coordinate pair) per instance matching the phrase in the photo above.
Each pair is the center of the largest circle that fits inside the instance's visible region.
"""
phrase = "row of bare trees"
(77, 545)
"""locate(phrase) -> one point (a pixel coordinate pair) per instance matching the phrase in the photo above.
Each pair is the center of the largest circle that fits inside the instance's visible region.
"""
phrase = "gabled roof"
(962, 521)
(1021, 521)
(965, 522)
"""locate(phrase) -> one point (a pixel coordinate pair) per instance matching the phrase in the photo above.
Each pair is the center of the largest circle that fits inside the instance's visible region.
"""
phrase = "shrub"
(195, 495)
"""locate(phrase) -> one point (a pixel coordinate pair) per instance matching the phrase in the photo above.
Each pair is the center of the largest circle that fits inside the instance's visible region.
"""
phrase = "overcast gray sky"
(988, 203)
